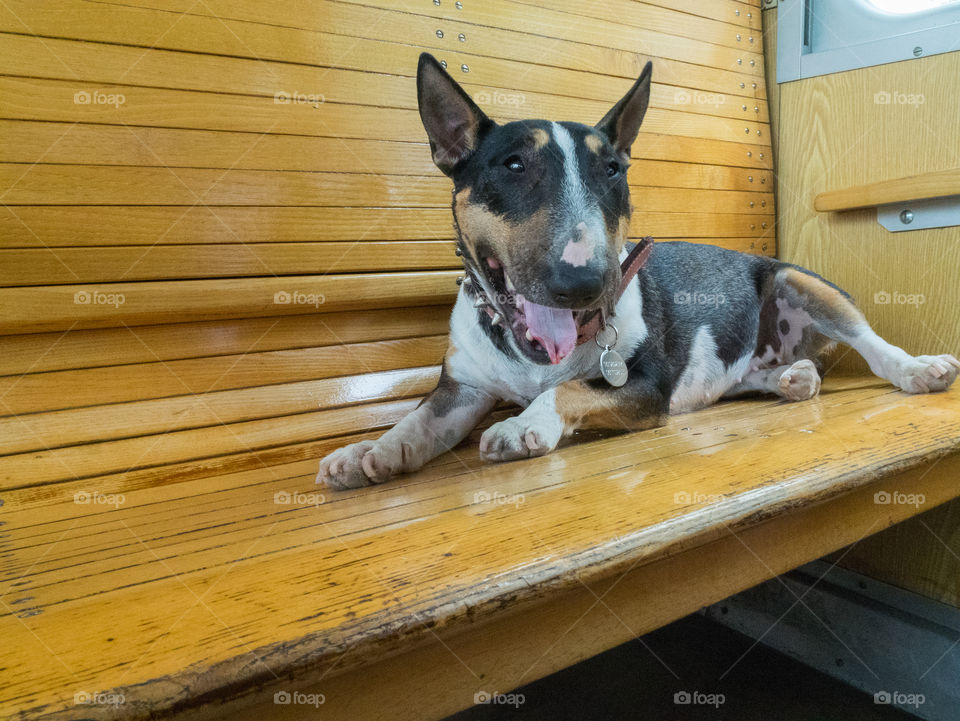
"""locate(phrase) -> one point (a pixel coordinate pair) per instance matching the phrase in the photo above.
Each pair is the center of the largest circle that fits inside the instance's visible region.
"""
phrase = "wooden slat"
(57, 226)
(38, 352)
(729, 11)
(80, 306)
(44, 431)
(55, 390)
(31, 99)
(106, 185)
(82, 144)
(158, 262)
(320, 555)
(901, 190)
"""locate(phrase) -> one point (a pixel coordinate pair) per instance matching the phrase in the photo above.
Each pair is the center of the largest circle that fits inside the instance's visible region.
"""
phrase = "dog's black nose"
(576, 287)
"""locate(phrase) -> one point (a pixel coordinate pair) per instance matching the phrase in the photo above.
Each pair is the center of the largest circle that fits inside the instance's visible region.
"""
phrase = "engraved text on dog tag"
(613, 368)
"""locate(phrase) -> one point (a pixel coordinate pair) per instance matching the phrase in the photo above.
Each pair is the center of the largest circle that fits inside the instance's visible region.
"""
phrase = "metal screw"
(742, 85)
(749, 153)
(443, 64)
(754, 86)
(906, 217)
(756, 108)
(436, 2)
(738, 38)
(751, 39)
(739, 61)
(737, 12)
(753, 62)
(744, 107)
(459, 5)
(747, 131)
(749, 15)
(465, 68)
(917, 51)
(758, 132)
(459, 280)
(761, 156)
(462, 38)
(763, 225)
(753, 227)
(751, 203)
(763, 203)
(750, 178)
(458, 252)
(763, 181)
(439, 33)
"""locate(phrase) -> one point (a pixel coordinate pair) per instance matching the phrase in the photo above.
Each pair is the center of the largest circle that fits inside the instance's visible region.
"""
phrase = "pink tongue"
(554, 328)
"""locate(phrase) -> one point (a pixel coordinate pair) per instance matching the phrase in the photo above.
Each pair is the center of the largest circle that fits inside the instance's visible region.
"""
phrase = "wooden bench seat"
(404, 600)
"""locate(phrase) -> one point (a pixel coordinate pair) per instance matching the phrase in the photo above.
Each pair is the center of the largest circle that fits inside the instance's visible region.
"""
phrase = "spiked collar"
(589, 324)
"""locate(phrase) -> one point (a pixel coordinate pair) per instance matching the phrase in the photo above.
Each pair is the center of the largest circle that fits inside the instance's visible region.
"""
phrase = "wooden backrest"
(217, 216)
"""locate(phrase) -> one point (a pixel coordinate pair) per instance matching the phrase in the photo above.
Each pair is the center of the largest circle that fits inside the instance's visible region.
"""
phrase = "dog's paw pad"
(514, 438)
(355, 466)
(800, 382)
(929, 373)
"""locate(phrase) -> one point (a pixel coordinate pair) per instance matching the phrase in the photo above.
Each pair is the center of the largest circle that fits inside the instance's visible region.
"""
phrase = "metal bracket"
(920, 214)
(769, 4)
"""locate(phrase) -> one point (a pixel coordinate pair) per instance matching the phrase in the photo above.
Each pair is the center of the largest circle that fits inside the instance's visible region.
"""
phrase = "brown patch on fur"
(540, 138)
(822, 301)
(623, 232)
(581, 406)
(594, 143)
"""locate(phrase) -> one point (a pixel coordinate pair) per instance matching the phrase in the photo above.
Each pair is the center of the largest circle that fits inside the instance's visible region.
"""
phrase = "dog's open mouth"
(543, 333)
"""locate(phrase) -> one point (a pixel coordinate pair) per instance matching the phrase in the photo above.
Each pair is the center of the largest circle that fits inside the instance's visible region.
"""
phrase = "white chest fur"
(478, 362)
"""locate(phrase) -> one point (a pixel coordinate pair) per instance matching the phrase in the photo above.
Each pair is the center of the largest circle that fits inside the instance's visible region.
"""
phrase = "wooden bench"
(204, 288)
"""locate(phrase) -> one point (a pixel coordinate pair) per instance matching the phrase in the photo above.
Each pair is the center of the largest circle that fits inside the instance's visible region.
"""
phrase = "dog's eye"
(613, 169)
(514, 164)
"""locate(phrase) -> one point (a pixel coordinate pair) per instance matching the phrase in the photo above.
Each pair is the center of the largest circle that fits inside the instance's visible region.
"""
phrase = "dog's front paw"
(358, 465)
(928, 373)
(518, 437)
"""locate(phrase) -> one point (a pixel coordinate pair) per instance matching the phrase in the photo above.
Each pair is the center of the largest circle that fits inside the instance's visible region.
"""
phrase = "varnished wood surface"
(172, 582)
(898, 190)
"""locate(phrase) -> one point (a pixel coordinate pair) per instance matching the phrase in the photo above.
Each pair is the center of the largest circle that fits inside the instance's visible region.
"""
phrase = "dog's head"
(542, 208)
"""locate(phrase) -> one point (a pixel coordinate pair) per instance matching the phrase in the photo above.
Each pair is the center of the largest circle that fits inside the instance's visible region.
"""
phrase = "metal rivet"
(738, 38)
(917, 51)
(761, 156)
(458, 252)
(459, 5)
(739, 61)
(462, 38)
(744, 107)
(737, 12)
(747, 131)
(751, 203)
(763, 203)
(758, 132)
(753, 62)
(436, 2)
(749, 15)
(754, 86)
(750, 178)
(756, 108)
(439, 33)
(459, 280)
(465, 68)
(763, 225)
(906, 217)
(749, 153)
(443, 64)
(751, 39)
(742, 85)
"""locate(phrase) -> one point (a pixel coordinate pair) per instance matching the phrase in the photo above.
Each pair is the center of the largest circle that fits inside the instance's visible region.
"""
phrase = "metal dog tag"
(612, 367)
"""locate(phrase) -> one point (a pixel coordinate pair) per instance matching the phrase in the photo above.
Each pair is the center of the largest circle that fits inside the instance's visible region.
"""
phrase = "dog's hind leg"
(824, 313)
(797, 382)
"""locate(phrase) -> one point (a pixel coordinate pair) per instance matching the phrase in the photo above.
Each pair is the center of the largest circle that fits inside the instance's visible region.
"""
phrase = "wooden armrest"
(913, 187)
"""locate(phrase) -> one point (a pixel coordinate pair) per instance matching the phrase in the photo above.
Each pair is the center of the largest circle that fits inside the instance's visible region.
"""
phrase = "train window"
(817, 37)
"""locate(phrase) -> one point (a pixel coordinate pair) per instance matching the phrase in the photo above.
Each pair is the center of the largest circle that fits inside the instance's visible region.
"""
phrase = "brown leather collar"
(594, 322)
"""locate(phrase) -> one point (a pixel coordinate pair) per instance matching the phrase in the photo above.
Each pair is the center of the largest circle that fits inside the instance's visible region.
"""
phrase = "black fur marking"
(784, 326)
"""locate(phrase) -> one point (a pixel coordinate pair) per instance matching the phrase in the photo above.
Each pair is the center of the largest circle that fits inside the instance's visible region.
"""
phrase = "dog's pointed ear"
(622, 123)
(452, 120)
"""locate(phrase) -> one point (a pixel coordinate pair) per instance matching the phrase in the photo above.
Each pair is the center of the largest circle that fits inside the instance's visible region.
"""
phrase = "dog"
(558, 313)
